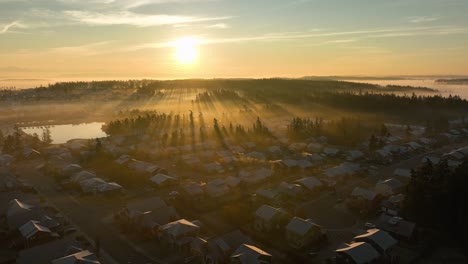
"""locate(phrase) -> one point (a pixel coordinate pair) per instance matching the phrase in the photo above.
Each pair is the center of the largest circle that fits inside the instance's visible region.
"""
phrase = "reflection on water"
(444, 89)
(63, 133)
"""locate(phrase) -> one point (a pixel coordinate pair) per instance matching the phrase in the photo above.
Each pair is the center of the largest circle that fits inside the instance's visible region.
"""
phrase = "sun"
(186, 50)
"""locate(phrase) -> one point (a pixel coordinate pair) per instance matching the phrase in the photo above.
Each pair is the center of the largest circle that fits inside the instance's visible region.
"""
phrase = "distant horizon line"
(383, 77)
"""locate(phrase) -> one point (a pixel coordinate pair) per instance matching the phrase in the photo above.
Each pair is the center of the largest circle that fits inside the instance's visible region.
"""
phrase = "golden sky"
(231, 38)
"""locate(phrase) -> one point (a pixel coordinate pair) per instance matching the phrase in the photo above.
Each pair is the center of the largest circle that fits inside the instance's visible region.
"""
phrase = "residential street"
(87, 217)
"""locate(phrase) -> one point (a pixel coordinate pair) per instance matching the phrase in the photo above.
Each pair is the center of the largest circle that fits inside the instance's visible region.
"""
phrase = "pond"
(62, 133)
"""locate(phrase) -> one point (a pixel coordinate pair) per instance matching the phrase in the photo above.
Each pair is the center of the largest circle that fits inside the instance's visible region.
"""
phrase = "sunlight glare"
(186, 50)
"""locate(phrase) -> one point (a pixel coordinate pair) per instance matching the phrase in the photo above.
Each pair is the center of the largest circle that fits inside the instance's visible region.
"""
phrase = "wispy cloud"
(133, 19)
(356, 36)
(422, 19)
(7, 28)
(219, 25)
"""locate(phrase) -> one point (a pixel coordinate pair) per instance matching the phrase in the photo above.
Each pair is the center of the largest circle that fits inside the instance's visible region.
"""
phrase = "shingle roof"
(300, 226)
(379, 237)
(249, 254)
(360, 252)
(31, 228)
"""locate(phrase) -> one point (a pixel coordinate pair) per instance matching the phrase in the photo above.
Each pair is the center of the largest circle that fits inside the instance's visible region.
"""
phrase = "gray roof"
(19, 213)
(31, 228)
(392, 183)
(300, 226)
(267, 212)
(379, 237)
(310, 182)
(81, 257)
(45, 253)
(179, 227)
(360, 252)
(396, 225)
(364, 193)
(402, 172)
(249, 254)
(145, 205)
(162, 178)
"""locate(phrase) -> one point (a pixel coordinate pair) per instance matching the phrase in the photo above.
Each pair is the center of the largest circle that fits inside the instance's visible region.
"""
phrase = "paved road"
(87, 218)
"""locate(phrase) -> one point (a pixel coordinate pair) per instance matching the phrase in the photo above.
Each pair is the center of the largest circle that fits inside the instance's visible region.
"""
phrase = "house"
(382, 156)
(33, 233)
(255, 155)
(54, 150)
(290, 190)
(388, 187)
(433, 160)
(274, 150)
(314, 147)
(414, 146)
(343, 170)
(255, 176)
(149, 222)
(393, 205)
(163, 180)
(357, 253)
(232, 181)
(248, 254)
(270, 196)
(216, 188)
(287, 163)
(123, 160)
(7, 197)
(269, 218)
(296, 147)
(329, 151)
(82, 176)
(8, 181)
(353, 155)
(145, 168)
(405, 173)
(314, 158)
(139, 207)
(213, 168)
(310, 183)
(6, 160)
(19, 213)
(192, 192)
(396, 226)
(237, 149)
(81, 257)
(190, 159)
(300, 232)
(109, 188)
(91, 185)
(46, 253)
(304, 164)
(179, 234)
(363, 193)
(30, 153)
(249, 145)
(70, 169)
(219, 249)
(379, 239)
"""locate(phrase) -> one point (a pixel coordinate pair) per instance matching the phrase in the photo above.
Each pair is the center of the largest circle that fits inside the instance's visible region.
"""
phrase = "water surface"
(63, 133)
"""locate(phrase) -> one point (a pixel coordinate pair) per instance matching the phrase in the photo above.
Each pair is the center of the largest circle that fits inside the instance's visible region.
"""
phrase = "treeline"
(261, 90)
(176, 129)
(347, 131)
(437, 198)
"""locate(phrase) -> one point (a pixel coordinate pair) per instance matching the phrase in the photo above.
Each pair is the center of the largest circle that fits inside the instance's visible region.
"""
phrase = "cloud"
(133, 19)
(14, 69)
(6, 28)
(422, 19)
(219, 25)
(356, 36)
